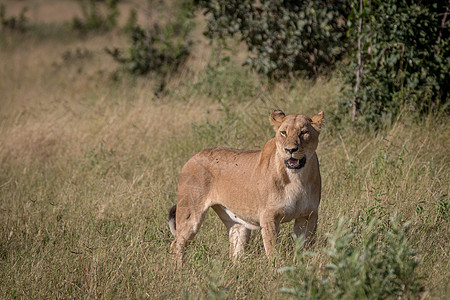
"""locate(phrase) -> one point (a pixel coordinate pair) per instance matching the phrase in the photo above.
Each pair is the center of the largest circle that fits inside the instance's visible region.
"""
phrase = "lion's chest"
(296, 200)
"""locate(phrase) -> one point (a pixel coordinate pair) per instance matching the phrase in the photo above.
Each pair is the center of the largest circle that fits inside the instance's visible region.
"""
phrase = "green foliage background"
(405, 59)
(404, 53)
(285, 38)
(394, 55)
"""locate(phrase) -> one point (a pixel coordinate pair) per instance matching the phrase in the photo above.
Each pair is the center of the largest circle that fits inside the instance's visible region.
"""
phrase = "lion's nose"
(291, 150)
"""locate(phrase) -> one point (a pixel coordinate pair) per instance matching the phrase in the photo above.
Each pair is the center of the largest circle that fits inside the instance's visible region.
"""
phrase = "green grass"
(89, 170)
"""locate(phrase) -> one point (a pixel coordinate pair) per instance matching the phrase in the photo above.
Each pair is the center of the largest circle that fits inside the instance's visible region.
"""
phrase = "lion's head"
(297, 137)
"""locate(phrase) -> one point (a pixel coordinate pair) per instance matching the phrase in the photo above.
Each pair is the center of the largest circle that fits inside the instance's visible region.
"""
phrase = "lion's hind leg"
(239, 237)
(238, 234)
(188, 222)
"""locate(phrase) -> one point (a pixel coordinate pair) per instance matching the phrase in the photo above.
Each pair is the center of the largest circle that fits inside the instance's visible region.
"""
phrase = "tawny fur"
(253, 189)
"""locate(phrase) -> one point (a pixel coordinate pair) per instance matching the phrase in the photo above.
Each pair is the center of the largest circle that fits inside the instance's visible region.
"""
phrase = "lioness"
(253, 189)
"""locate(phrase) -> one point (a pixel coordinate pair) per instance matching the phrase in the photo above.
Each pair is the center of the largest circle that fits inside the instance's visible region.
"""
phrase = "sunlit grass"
(89, 169)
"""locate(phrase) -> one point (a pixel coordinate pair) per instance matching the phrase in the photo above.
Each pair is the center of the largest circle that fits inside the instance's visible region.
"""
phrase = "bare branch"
(360, 66)
(443, 23)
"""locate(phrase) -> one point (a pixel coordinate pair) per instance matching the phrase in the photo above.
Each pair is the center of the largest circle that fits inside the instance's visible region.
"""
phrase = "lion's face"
(297, 137)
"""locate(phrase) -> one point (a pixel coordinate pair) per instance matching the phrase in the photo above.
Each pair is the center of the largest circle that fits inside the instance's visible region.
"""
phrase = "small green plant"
(78, 54)
(217, 289)
(443, 207)
(369, 262)
(93, 20)
(99, 160)
(18, 23)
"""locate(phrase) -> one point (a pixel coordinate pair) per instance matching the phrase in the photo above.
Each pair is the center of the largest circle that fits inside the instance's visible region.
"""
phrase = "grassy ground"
(89, 170)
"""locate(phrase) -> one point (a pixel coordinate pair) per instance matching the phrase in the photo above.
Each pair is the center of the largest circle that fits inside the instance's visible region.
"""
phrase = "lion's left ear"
(318, 121)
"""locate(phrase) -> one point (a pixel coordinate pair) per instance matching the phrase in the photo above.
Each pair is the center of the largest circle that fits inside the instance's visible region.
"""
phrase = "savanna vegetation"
(91, 144)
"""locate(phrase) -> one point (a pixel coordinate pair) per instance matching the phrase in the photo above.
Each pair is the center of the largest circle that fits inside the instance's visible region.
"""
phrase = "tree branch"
(443, 23)
(360, 67)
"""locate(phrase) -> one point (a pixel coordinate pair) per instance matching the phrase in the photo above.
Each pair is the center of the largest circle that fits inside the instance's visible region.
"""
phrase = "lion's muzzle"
(293, 163)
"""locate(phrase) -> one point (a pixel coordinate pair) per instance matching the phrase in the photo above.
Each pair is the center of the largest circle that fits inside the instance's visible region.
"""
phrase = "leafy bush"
(93, 20)
(285, 38)
(367, 261)
(151, 51)
(13, 23)
(400, 49)
(402, 60)
(131, 21)
(158, 50)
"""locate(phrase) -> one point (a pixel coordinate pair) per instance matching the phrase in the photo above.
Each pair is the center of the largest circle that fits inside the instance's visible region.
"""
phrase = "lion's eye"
(304, 132)
(283, 133)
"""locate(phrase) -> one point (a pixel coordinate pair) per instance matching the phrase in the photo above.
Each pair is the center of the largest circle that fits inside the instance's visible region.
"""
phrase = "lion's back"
(222, 168)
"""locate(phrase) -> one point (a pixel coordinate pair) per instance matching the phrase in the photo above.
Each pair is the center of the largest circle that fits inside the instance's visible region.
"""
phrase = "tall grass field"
(89, 164)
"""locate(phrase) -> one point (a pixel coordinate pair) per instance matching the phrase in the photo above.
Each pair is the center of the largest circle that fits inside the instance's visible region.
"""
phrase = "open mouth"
(293, 163)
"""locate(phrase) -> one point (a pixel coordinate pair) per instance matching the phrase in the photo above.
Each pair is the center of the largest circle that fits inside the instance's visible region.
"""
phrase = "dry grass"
(63, 11)
(89, 169)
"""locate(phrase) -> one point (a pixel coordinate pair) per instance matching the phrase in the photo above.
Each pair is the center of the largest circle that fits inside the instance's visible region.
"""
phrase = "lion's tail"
(172, 223)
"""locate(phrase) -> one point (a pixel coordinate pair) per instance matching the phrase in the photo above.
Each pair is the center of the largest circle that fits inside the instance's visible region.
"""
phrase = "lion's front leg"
(269, 230)
(306, 226)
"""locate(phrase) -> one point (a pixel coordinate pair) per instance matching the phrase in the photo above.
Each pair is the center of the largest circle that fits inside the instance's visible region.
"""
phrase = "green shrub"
(402, 61)
(365, 261)
(18, 23)
(157, 50)
(93, 20)
(284, 38)
(131, 21)
(151, 51)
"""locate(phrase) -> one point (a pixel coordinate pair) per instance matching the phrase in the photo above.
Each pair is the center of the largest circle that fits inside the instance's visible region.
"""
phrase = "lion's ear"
(276, 118)
(318, 121)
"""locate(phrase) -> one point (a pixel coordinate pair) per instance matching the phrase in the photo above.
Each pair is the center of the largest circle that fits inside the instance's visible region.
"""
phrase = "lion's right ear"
(276, 118)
